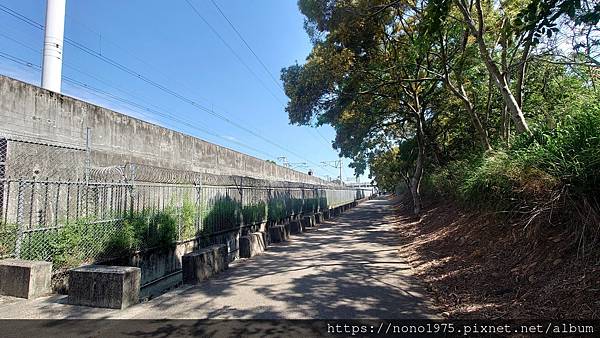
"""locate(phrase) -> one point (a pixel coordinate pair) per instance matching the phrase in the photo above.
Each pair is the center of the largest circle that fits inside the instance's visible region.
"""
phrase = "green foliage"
(85, 240)
(254, 213)
(122, 240)
(323, 204)
(276, 209)
(67, 246)
(296, 205)
(311, 204)
(162, 230)
(223, 215)
(569, 152)
(567, 155)
(189, 214)
(8, 235)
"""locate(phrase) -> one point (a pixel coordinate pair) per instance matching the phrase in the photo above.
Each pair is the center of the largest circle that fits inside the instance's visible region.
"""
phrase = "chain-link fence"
(55, 205)
(71, 222)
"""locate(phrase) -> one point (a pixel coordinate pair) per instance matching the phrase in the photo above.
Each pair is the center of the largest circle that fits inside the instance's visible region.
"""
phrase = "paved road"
(347, 268)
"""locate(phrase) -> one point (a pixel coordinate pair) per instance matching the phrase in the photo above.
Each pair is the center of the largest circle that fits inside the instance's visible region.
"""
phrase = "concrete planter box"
(115, 287)
(296, 227)
(308, 221)
(25, 279)
(318, 217)
(161, 268)
(279, 233)
(335, 212)
(252, 244)
(204, 263)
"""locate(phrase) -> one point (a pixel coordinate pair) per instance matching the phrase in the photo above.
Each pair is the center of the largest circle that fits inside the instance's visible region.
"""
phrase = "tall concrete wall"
(32, 113)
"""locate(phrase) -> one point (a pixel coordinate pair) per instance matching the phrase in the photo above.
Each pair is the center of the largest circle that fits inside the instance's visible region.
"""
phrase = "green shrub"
(224, 214)
(311, 204)
(137, 224)
(67, 245)
(8, 237)
(189, 214)
(297, 205)
(254, 213)
(323, 205)
(42, 246)
(277, 209)
(121, 241)
(569, 152)
(147, 230)
(534, 167)
(162, 229)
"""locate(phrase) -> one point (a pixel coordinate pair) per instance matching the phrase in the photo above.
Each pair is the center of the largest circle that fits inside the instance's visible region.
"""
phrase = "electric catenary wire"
(247, 45)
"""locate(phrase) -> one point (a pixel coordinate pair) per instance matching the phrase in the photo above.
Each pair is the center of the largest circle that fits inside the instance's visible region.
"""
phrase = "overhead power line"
(247, 45)
(114, 98)
(133, 73)
(264, 66)
(237, 56)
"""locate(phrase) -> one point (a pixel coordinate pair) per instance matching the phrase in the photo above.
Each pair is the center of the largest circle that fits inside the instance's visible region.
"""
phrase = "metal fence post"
(88, 158)
(130, 188)
(241, 189)
(198, 205)
(20, 220)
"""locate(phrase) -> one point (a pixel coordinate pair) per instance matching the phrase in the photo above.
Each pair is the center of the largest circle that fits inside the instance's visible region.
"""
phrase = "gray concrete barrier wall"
(114, 139)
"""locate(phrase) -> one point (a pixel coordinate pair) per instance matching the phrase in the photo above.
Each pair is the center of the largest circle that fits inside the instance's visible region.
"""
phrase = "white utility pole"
(53, 45)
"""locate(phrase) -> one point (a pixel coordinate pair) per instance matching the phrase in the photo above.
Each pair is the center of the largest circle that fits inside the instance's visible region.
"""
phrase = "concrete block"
(308, 221)
(25, 279)
(287, 227)
(278, 233)
(252, 244)
(115, 287)
(296, 227)
(204, 263)
(335, 212)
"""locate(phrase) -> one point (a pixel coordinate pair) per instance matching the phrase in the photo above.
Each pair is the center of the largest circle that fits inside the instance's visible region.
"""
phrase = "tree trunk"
(415, 180)
(506, 74)
(462, 95)
(509, 99)
(481, 132)
(505, 125)
(416, 197)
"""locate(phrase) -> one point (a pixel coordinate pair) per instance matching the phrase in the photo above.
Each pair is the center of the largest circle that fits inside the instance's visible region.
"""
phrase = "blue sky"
(169, 44)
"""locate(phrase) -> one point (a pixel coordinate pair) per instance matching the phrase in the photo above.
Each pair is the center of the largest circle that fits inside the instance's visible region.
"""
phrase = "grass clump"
(532, 171)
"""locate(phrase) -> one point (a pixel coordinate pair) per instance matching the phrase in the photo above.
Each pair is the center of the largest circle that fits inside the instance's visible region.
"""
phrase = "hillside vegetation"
(495, 106)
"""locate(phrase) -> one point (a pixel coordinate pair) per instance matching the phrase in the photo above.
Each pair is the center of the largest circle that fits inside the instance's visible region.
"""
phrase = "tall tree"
(368, 76)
